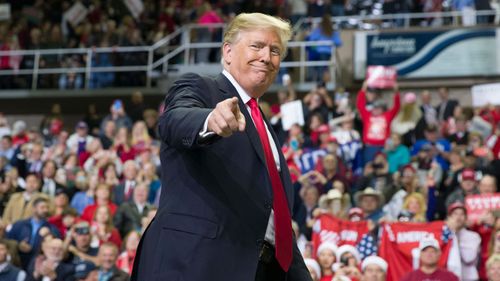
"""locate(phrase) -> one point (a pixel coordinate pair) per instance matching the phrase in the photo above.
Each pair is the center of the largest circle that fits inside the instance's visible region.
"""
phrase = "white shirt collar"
(243, 95)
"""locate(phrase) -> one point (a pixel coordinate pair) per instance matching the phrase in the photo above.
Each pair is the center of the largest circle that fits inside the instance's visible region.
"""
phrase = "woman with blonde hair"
(140, 136)
(415, 203)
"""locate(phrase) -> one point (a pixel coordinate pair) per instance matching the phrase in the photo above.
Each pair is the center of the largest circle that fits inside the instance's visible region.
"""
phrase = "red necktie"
(282, 220)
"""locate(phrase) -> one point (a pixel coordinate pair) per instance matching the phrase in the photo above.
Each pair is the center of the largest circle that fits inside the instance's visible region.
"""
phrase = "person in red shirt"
(102, 198)
(430, 252)
(376, 122)
(102, 228)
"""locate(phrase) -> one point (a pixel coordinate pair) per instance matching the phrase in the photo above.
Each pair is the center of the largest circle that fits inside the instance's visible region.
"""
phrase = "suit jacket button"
(268, 206)
(258, 242)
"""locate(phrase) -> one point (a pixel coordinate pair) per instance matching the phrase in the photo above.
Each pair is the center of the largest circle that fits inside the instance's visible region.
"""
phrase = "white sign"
(135, 7)
(4, 11)
(292, 113)
(76, 14)
(486, 94)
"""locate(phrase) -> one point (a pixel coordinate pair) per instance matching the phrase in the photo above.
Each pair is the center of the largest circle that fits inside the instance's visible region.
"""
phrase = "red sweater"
(89, 211)
(376, 129)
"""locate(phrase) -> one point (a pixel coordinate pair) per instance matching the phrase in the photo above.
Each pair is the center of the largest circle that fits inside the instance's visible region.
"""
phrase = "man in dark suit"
(224, 211)
(445, 109)
(123, 192)
(129, 215)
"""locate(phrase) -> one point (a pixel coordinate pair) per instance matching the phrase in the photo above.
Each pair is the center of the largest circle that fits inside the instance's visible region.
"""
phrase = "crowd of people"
(413, 161)
(38, 25)
(75, 202)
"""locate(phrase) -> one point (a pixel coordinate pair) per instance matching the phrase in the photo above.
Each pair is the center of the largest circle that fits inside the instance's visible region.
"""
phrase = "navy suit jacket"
(216, 195)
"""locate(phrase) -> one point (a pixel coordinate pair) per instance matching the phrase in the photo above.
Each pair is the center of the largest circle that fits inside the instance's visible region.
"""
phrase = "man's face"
(49, 170)
(429, 256)
(330, 163)
(42, 210)
(254, 60)
(459, 216)
(368, 203)
(373, 273)
(54, 250)
(129, 171)
(82, 240)
(32, 183)
(82, 132)
(107, 257)
(468, 185)
(487, 185)
(5, 144)
(140, 194)
(426, 97)
(377, 111)
(431, 136)
(36, 152)
(110, 128)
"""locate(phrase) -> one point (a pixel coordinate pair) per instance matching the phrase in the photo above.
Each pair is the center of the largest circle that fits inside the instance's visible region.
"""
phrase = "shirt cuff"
(204, 132)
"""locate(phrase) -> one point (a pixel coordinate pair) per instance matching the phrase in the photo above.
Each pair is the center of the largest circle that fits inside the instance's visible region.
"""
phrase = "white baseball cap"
(428, 241)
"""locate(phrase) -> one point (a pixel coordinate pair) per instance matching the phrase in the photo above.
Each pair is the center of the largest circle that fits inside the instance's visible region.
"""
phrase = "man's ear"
(227, 53)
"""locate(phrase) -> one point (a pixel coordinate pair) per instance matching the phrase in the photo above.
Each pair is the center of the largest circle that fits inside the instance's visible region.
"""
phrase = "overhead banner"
(429, 54)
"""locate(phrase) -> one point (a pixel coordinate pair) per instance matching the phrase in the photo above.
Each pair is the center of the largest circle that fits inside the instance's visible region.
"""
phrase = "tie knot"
(252, 103)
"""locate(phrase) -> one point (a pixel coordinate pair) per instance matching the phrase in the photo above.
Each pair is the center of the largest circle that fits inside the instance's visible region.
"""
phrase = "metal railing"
(175, 49)
(179, 48)
(404, 20)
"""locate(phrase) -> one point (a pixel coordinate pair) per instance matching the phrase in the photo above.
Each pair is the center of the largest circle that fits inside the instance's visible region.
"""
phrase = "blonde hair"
(140, 133)
(252, 21)
(420, 216)
(491, 260)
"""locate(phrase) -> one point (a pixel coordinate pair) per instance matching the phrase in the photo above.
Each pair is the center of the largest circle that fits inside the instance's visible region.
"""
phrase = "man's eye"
(254, 46)
(276, 52)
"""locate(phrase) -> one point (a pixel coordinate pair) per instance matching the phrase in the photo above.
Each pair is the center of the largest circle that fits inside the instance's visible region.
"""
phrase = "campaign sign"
(478, 205)
(381, 77)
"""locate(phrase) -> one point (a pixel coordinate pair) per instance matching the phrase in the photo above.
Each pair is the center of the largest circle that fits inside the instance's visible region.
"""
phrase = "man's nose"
(265, 54)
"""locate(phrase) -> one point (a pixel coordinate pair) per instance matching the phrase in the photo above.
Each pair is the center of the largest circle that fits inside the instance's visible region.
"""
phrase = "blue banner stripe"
(443, 45)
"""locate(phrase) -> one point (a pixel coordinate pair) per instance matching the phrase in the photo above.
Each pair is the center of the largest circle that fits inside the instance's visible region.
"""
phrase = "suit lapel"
(229, 91)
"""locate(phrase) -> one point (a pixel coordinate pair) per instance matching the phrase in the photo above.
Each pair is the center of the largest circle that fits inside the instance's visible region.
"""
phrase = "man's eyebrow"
(262, 43)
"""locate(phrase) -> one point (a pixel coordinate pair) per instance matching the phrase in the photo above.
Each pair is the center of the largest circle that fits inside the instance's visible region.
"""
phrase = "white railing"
(377, 21)
(160, 56)
(178, 48)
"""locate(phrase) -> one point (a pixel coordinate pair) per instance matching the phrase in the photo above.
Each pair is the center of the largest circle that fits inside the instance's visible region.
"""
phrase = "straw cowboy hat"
(369, 191)
(326, 199)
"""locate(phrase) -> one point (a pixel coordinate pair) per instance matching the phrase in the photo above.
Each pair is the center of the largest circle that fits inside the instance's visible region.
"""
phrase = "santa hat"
(374, 260)
(327, 246)
(348, 249)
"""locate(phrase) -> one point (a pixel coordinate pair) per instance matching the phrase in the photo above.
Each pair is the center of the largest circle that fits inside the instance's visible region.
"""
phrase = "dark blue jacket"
(216, 196)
